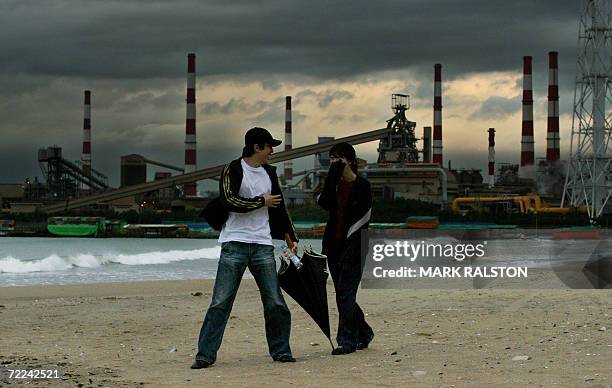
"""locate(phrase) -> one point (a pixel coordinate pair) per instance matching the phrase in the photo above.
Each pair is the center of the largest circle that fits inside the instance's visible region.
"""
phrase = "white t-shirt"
(251, 227)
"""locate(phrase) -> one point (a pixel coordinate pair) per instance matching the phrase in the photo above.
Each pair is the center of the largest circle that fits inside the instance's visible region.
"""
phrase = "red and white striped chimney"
(288, 163)
(437, 132)
(552, 130)
(426, 144)
(86, 158)
(190, 125)
(491, 157)
(527, 151)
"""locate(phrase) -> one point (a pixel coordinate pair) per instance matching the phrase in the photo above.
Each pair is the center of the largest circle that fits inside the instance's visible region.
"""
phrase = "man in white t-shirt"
(250, 213)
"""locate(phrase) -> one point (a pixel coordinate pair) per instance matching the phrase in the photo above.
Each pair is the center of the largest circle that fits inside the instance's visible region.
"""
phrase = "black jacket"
(217, 211)
(356, 216)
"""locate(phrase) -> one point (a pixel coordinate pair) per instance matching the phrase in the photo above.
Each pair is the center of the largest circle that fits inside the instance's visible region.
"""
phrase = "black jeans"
(346, 274)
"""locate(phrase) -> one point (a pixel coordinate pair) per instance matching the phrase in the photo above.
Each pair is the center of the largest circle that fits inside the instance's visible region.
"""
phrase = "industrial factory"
(405, 169)
(409, 166)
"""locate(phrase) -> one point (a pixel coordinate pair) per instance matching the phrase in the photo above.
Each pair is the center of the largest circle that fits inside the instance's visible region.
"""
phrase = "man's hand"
(272, 200)
(293, 246)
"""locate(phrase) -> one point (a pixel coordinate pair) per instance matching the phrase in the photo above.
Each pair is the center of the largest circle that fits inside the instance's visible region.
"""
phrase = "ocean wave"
(61, 263)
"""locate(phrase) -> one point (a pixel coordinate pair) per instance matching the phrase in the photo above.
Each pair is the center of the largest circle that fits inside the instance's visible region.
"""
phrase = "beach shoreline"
(144, 334)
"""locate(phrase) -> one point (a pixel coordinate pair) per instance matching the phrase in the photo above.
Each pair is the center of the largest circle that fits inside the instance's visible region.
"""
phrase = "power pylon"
(589, 176)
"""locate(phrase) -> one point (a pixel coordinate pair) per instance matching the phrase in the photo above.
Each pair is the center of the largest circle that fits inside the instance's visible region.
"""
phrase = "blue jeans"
(235, 258)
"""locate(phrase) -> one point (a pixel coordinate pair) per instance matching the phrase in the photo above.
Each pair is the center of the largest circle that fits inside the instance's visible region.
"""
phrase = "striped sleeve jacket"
(230, 200)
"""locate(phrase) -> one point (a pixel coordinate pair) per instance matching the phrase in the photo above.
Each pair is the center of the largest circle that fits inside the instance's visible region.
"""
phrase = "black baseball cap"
(259, 135)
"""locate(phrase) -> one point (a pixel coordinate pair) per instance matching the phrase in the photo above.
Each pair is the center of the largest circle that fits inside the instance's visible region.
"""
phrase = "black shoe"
(200, 364)
(364, 343)
(340, 350)
(284, 358)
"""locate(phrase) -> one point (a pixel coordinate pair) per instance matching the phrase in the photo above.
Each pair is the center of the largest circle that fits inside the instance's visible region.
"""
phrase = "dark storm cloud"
(144, 99)
(260, 112)
(239, 105)
(273, 117)
(138, 39)
(340, 118)
(132, 55)
(330, 97)
(497, 107)
(271, 84)
(324, 98)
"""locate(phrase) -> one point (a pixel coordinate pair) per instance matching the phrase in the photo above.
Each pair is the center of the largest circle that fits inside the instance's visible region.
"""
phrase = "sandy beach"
(144, 334)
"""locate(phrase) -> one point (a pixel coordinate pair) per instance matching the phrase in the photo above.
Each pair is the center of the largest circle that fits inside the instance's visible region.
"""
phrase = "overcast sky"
(340, 60)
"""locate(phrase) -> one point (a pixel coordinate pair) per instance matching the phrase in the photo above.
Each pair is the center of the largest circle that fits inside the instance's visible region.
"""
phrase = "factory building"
(10, 193)
(407, 166)
(133, 170)
(164, 197)
(418, 181)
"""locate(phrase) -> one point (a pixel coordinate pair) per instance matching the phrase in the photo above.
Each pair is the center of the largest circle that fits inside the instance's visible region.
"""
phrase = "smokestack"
(491, 157)
(426, 144)
(437, 134)
(288, 163)
(86, 158)
(190, 126)
(552, 130)
(527, 154)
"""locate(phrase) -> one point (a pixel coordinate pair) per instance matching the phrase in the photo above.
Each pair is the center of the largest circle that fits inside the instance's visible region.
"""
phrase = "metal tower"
(399, 145)
(589, 176)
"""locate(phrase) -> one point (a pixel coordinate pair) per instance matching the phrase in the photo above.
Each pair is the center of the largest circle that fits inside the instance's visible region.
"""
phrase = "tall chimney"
(437, 134)
(426, 144)
(288, 163)
(552, 130)
(190, 126)
(86, 158)
(491, 157)
(527, 152)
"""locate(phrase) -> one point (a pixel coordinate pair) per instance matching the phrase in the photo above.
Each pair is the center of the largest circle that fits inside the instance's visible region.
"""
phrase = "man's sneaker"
(340, 350)
(284, 358)
(200, 364)
(364, 343)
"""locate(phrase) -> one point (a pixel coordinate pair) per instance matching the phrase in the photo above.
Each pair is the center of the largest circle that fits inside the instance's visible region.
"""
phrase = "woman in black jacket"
(348, 199)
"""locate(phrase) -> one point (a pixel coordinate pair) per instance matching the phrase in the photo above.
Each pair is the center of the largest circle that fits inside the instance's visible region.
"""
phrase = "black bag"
(215, 213)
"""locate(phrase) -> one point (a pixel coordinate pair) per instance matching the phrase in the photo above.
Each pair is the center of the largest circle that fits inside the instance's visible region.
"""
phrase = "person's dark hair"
(345, 150)
(249, 149)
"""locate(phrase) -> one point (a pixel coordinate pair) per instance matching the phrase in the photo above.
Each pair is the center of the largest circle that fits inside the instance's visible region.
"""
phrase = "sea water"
(35, 261)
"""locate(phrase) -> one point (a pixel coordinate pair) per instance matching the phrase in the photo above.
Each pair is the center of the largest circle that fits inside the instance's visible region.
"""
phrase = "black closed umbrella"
(308, 287)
